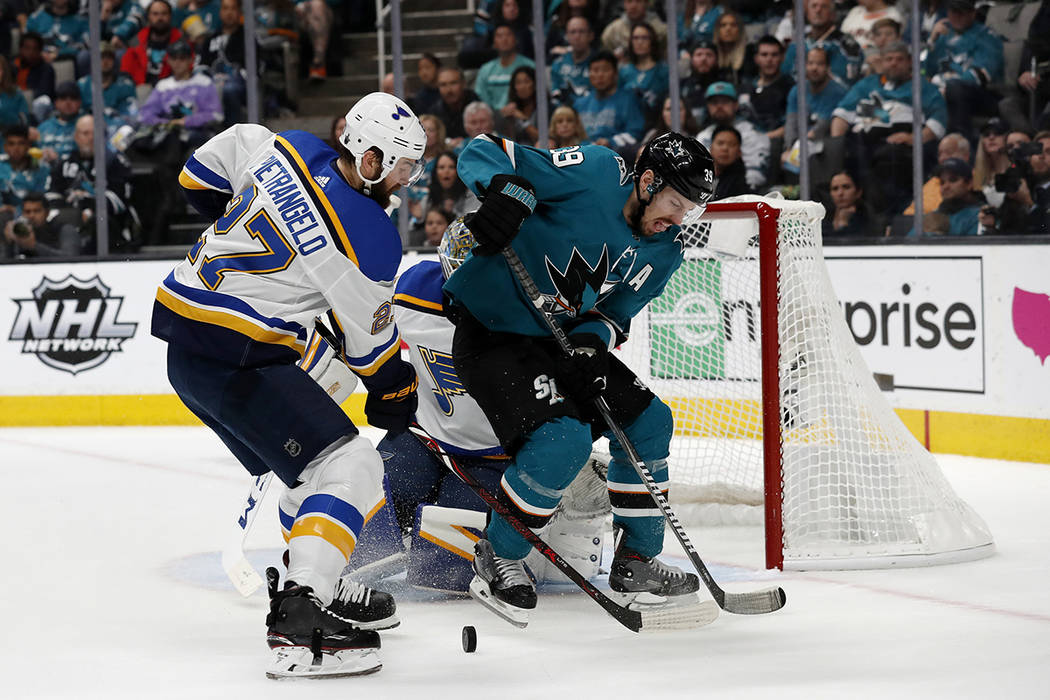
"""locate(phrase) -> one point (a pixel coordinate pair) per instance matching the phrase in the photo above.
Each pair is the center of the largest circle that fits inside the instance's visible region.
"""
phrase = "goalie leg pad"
(533, 485)
(442, 547)
(341, 490)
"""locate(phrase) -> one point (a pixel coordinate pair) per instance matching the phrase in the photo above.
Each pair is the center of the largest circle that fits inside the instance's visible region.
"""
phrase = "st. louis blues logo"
(578, 285)
(446, 383)
(400, 113)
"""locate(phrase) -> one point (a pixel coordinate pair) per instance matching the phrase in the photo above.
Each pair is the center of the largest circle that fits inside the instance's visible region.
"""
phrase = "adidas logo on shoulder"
(322, 180)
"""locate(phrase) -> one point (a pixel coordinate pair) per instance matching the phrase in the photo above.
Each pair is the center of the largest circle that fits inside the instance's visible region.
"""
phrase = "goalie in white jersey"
(300, 230)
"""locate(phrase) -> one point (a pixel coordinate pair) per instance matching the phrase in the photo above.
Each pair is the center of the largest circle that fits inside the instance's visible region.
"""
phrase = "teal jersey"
(592, 272)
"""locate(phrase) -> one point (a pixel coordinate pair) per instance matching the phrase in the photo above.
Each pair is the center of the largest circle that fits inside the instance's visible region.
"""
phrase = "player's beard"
(381, 191)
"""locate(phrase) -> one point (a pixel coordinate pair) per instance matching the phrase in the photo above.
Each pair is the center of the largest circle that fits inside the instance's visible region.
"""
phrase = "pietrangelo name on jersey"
(292, 204)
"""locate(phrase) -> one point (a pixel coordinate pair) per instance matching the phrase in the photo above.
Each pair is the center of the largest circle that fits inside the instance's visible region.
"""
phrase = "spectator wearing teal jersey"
(118, 91)
(610, 116)
(876, 117)
(493, 78)
(569, 72)
(697, 21)
(121, 21)
(965, 60)
(65, 31)
(20, 173)
(644, 72)
(822, 30)
(823, 94)
(56, 132)
(14, 110)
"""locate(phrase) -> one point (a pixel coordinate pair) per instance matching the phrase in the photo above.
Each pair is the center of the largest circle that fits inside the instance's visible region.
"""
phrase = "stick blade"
(242, 575)
(684, 617)
(755, 602)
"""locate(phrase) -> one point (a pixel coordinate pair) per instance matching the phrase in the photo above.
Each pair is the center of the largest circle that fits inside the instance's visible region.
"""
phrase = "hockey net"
(775, 410)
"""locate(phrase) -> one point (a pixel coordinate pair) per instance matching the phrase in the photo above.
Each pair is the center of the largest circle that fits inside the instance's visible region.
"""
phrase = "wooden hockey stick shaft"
(752, 603)
(241, 573)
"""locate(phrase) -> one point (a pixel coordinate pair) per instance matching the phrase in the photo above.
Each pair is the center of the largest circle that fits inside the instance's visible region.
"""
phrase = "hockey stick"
(752, 603)
(671, 618)
(242, 575)
(678, 617)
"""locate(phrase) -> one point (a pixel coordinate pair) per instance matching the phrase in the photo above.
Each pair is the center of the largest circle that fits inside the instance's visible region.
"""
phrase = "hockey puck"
(470, 639)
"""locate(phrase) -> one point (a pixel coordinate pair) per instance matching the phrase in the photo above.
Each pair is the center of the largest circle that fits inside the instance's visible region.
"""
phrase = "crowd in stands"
(173, 75)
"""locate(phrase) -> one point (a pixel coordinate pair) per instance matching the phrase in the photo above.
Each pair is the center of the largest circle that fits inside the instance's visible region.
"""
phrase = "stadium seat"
(1011, 20)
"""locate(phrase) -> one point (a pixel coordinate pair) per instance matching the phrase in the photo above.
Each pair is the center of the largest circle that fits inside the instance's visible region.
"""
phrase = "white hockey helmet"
(385, 122)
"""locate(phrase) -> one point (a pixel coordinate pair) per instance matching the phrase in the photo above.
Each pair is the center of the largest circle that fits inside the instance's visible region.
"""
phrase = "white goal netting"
(853, 487)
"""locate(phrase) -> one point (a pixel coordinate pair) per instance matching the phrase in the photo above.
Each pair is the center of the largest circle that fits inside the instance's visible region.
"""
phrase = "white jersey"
(295, 240)
(445, 410)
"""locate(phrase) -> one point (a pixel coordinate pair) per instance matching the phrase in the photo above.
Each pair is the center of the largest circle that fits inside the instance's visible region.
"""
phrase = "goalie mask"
(386, 123)
(681, 163)
(455, 245)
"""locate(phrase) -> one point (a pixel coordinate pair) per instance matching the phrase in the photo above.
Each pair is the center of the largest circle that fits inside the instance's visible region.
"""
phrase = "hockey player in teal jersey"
(600, 240)
(300, 229)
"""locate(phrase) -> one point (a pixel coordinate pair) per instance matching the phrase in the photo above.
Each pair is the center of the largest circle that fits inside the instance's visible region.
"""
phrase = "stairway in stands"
(438, 29)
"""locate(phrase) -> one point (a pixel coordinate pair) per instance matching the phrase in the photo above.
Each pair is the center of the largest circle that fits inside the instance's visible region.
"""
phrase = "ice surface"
(112, 588)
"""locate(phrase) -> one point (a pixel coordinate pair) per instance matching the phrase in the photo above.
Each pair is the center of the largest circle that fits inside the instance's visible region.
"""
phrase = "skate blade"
(385, 624)
(479, 591)
(298, 662)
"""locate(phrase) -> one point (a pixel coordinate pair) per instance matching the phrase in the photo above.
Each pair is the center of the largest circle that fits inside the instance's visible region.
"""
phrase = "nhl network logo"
(71, 324)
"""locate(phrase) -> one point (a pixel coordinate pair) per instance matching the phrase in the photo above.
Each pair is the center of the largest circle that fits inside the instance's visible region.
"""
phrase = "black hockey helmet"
(679, 162)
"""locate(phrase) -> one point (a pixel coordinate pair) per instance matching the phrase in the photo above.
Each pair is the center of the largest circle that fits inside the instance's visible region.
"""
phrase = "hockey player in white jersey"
(441, 515)
(299, 230)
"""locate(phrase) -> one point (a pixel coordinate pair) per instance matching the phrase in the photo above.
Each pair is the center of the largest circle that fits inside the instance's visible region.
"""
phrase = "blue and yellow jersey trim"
(417, 304)
(419, 288)
(217, 309)
(196, 176)
(317, 195)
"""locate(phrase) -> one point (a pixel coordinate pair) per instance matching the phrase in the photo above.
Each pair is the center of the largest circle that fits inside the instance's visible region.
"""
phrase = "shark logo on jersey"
(578, 285)
(625, 174)
(446, 383)
(620, 271)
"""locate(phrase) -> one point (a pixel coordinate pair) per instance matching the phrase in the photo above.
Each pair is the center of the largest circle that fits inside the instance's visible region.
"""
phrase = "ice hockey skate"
(646, 584)
(366, 608)
(502, 585)
(310, 640)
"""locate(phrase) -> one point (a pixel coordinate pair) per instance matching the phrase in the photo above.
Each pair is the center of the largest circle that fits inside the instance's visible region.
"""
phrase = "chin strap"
(636, 220)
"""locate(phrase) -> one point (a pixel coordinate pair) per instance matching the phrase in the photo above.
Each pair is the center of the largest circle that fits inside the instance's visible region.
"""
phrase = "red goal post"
(776, 410)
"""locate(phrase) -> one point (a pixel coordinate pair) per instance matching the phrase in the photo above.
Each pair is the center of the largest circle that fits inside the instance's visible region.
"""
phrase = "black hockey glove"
(392, 409)
(581, 375)
(509, 200)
